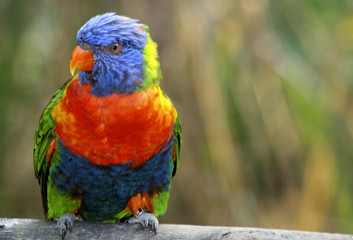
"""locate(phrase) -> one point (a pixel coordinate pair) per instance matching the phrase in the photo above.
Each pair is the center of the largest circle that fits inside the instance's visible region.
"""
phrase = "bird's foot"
(65, 223)
(145, 219)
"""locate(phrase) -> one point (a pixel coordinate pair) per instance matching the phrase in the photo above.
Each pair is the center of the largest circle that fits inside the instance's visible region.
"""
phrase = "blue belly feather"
(106, 190)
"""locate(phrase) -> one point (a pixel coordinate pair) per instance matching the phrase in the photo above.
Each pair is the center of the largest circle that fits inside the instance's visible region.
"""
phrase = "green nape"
(59, 204)
(153, 72)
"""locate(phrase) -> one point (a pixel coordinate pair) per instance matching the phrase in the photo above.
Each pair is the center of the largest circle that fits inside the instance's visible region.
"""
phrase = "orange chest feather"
(114, 129)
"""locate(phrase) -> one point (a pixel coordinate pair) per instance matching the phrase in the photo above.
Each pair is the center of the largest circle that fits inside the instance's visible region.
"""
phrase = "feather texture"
(119, 128)
(108, 143)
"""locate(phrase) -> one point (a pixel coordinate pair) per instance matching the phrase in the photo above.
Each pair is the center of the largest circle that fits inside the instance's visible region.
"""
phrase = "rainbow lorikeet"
(108, 143)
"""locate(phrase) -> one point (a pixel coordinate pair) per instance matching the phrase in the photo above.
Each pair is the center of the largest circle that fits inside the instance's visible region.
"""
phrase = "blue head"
(111, 54)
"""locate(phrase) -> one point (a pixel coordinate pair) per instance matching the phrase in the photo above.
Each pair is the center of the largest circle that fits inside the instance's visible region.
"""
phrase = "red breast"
(114, 129)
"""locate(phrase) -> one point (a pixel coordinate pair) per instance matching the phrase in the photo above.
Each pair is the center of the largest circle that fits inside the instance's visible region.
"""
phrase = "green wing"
(160, 200)
(43, 137)
(177, 144)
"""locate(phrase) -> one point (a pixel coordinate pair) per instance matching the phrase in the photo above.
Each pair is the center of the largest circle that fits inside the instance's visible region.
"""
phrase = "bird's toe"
(145, 219)
(65, 223)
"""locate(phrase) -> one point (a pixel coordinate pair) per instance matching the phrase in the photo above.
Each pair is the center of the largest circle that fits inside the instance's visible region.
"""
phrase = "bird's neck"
(105, 83)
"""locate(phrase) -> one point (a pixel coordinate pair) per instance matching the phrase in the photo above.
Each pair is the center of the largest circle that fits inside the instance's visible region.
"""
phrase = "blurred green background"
(264, 90)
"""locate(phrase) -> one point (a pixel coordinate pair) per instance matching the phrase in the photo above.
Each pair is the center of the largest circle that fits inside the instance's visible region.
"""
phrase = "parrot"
(108, 143)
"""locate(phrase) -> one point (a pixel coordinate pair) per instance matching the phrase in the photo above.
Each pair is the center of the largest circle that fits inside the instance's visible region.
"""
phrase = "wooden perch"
(40, 229)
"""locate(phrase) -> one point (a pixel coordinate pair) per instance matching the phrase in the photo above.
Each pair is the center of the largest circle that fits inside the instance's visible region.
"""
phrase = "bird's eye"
(84, 46)
(115, 48)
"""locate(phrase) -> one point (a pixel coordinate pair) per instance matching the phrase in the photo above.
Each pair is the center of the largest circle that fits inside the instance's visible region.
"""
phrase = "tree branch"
(41, 229)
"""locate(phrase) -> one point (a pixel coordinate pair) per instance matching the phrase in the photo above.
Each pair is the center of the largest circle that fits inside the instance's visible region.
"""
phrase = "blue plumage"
(107, 28)
(121, 73)
(106, 190)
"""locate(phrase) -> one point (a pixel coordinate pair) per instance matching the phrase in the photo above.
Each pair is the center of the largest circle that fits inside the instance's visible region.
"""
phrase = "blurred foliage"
(263, 89)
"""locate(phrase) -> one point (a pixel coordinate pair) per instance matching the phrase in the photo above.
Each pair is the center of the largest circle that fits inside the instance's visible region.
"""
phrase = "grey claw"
(154, 226)
(65, 223)
(62, 233)
(145, 219)
(69, 225)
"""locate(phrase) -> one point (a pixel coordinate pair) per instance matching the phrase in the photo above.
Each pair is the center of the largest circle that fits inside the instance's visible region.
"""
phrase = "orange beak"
(82, 60)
